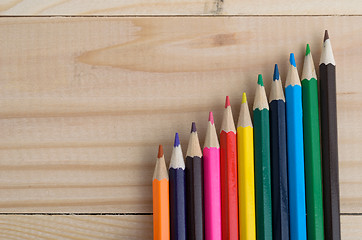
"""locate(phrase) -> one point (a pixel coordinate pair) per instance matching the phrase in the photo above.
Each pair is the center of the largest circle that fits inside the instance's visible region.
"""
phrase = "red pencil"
(229, 176)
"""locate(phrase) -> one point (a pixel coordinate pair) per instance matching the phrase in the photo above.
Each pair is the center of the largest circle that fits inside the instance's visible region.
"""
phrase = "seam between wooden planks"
(117, 214)
(180, 15)
(81, 214)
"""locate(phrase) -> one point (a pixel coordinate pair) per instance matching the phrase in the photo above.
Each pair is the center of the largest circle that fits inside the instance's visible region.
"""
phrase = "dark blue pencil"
(177, 193)
(279, 165)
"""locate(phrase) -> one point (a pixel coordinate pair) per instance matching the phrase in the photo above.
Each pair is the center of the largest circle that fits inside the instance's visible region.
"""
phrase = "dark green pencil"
(312, 150)
(263, 201)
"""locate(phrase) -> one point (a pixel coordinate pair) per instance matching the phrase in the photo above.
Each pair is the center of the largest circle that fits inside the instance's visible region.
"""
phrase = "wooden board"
(181, 7)
(107, 227)
(76, 227)
(84, 102)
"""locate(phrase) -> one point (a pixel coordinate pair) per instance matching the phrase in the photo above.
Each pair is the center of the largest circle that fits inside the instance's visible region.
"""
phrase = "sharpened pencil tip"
(160, 151)
(292, 60)
(193, 127)
(276, 73)
(177, 140)
(211, 118)
(243, 100)
(227, 102)
(326, 36)
(307, 50)
(260, 80)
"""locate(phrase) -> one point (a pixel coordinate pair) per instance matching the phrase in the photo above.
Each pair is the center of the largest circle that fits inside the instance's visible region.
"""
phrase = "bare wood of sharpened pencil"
(244, 116)
(211, 139)
(193, 149)
(160, 169)
(227, 124)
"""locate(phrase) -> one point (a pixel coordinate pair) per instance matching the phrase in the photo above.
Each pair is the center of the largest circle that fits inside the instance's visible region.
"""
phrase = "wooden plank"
(75, 227)
(107, 227)
(84, 102)
(181, 7)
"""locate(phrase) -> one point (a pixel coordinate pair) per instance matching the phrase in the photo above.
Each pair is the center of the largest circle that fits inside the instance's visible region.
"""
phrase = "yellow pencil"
(246, 173)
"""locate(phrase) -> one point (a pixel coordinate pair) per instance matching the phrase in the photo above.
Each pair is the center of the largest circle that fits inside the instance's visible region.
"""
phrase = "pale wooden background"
(84, 100)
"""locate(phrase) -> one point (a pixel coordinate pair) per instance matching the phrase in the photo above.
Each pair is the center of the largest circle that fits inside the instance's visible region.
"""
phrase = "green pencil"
(312, 151)
(263, 201)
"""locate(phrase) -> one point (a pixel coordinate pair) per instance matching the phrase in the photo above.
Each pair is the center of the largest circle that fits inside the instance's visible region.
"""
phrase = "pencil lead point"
(307, 50)
(326, 36)
(276, 73)
(227, 102)
(177, 140)
(292, 60)
(260, 80)
(160, 151)
(193, 127)
(211, 118)
(243, 100)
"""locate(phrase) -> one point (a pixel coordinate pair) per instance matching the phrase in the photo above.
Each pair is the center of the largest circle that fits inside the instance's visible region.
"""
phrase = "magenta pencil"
(212, 194)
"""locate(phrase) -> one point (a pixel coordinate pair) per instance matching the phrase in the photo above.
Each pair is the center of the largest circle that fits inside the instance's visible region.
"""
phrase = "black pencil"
(194, 186)
(328, 106)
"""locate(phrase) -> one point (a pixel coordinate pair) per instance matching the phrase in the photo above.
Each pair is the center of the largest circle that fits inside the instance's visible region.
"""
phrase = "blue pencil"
(177, 193)
(293, 94)
(278, 154)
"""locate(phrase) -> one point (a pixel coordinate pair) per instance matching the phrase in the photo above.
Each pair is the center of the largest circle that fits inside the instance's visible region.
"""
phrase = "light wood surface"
(107, 227)
(180, 7)
(84, 103)
(76, 227)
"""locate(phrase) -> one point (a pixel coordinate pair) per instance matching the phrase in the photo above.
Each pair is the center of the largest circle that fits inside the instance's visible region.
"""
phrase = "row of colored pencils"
(267, 179)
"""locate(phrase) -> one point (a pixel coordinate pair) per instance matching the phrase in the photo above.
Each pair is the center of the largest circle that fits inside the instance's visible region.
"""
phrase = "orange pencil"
(161, 207)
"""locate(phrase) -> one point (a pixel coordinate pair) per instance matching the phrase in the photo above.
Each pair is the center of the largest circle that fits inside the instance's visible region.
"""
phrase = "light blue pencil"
(293, 95)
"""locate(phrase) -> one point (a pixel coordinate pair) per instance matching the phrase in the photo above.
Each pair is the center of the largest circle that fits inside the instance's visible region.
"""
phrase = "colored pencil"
(327, 71)
(177, 192)
(161, 208)
(194, 185)
(229, 175)
(312, 151)
(212, 183)
(278, 154)
(293, 94)
(245, 143)
(262, 164)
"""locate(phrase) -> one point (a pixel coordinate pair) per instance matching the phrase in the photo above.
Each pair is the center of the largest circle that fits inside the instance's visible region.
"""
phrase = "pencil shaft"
(177, 203)
(161, 209)
(262, 175)
(212, 195)
(329, 151)
(229, 185)
(296, 162)
(194, 196)
(279, 166)
(246, 185)
(313, 166)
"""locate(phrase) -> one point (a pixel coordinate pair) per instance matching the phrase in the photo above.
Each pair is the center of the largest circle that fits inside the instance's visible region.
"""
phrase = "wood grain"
(76, 227)
(107, 227)
(181, 7)
(84, 102)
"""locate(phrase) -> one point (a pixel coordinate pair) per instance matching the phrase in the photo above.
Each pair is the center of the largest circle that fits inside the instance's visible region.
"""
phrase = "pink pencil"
(212, 192)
